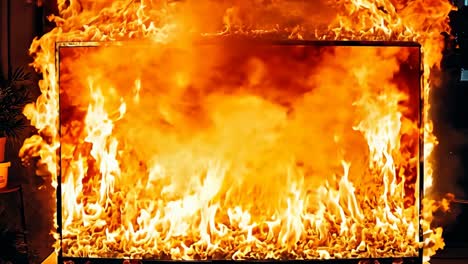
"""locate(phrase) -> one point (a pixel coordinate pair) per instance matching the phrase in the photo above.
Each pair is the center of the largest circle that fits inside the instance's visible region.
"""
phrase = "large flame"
(187, 220)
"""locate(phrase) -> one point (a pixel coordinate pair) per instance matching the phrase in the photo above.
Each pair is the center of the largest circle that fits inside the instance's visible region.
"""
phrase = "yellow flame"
(178, 22)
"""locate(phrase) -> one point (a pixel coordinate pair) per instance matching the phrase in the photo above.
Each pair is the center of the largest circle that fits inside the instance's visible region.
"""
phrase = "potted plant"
(14, 95)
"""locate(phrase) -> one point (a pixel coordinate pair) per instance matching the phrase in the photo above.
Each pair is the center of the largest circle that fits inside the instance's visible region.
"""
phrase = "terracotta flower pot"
(4, 174)
(2, 148)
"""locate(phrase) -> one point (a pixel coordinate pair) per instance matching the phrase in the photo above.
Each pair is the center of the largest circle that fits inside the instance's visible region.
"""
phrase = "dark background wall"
(450, 108)
(20, 22)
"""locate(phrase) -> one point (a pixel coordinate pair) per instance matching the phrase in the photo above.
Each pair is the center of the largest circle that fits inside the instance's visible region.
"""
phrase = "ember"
(175, 149)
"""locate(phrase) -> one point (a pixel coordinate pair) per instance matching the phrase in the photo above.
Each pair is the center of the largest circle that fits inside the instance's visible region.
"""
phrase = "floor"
(448, 256)
(52, 259)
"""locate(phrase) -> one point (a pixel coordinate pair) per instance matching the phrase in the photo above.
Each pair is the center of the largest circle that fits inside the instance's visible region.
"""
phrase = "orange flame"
(179, 22)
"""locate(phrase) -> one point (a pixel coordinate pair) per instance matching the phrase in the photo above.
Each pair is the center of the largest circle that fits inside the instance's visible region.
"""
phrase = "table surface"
(11, 187)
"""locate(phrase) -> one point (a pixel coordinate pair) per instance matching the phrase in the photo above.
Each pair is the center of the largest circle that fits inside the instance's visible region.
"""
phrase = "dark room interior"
(28, 204)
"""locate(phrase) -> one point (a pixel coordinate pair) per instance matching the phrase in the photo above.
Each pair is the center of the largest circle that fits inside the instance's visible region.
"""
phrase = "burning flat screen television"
(236, 149)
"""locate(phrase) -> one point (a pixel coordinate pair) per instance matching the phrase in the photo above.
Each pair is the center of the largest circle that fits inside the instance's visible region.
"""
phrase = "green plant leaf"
(14, 96)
